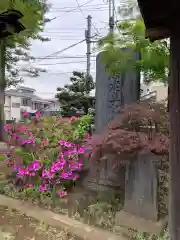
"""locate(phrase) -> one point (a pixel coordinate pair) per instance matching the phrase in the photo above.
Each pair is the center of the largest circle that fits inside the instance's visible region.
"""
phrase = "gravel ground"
(16, 226)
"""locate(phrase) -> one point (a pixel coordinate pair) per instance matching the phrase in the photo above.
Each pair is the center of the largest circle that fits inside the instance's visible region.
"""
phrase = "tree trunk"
(2, 86)
(174, 156)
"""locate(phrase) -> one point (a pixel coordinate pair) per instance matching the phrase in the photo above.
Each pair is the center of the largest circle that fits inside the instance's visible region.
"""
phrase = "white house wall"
(15, 108)
(7, 108)
(55, 106)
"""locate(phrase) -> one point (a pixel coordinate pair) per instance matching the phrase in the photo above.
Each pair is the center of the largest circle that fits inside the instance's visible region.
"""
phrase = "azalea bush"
(46, 154)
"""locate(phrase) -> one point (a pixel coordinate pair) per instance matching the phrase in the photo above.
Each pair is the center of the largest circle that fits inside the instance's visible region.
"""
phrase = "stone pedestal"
(105, 176)
(141, 187)
(3, 147)
(141, 197)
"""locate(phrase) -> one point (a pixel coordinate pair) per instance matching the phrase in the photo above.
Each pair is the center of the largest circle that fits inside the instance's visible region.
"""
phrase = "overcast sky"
(66, 29)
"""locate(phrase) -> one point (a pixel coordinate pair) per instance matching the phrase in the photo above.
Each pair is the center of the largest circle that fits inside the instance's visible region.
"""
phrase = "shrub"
(45, 154)
(135, 128)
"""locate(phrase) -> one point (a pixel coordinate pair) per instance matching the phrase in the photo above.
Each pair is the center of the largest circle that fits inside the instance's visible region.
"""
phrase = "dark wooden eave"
(158, 16)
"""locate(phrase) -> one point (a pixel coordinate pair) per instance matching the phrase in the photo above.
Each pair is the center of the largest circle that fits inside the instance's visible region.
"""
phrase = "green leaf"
(18, 150)
(38, 140)
(2, 158)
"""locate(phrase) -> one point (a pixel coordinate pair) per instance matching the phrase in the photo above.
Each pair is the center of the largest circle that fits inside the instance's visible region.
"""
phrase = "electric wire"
(85, 17)
(72, 10)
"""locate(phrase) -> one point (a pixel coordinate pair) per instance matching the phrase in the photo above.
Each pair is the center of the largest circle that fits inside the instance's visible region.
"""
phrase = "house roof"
(52, 100)
(26, 88)
(32, 96)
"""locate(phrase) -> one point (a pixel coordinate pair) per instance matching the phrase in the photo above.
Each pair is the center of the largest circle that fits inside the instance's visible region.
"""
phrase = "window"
(25, 102)
(16, 105)
(36, 106)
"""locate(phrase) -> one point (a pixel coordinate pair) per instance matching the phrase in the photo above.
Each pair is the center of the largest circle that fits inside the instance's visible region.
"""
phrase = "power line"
(61, 57)
(64, 49)
(72, 10)
(77, 10)
(85, 17)
(59, 63)
(85, 6)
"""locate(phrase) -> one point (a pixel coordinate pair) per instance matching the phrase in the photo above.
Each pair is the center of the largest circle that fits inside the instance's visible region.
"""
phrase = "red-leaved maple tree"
(136, 128)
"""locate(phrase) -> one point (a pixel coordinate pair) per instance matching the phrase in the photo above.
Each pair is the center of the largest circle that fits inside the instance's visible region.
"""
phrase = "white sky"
(65, 30)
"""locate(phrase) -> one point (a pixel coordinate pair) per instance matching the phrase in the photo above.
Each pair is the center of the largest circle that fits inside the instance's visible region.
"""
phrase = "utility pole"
(88, 41)
(111, 15)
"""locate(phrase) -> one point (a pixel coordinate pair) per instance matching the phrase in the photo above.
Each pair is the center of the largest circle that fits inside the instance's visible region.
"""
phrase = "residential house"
(53, 107)
(157, 91)
(23, 99)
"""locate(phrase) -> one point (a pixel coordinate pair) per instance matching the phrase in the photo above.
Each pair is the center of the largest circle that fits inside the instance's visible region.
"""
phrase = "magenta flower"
(36, 165)
(45, 142)
(68, 144)
(47, 174)
(9, 163)
(62, 142)
(62, 193)
(21, 172)
(42, 188)
(65, 175)
(81, 150)
(25, 114)
(28, 186)
(38, 114)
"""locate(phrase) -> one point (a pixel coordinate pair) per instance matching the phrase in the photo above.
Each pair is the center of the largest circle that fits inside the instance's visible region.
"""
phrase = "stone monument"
(111, 94)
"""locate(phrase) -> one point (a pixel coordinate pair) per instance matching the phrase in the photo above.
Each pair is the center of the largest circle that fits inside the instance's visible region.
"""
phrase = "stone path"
(74, 227)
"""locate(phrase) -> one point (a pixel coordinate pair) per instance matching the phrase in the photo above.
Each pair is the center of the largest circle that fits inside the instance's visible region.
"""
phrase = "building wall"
(15, 108)
(7, 108)
(15, 105)
(55, 106)
(161, 92)
(12, 108)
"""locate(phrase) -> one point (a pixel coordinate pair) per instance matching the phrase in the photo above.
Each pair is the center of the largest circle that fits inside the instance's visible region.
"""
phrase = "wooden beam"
(157, 33)
(174, 156)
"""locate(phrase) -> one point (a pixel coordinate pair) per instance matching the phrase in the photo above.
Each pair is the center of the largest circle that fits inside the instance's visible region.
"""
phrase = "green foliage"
(2, 158)
(143, 236)
(76, 94)
(82, 126)
(18, 45)
(53, 129)
(154, 55)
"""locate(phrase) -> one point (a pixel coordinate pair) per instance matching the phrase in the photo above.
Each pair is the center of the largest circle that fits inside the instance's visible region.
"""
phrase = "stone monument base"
(125, 221)
(3, 147)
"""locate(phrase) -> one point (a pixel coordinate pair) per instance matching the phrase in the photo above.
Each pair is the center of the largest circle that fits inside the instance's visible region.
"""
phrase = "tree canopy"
(131, 34)
(76, 95)
(18, 45)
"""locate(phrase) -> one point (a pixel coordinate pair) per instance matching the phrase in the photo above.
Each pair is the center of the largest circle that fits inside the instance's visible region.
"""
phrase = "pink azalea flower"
(46, 142)
(42, 188)
(9, 163)
(73, 118)
(28, 186)
(81, 150)
(68, 144)
(62, 142)
(25, 114)
(86, 134)
(38, 114)
(75, 177)
(62, 193)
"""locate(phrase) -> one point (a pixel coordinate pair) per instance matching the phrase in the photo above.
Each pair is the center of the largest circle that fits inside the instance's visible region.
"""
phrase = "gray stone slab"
(141, 187)
(114, 92)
